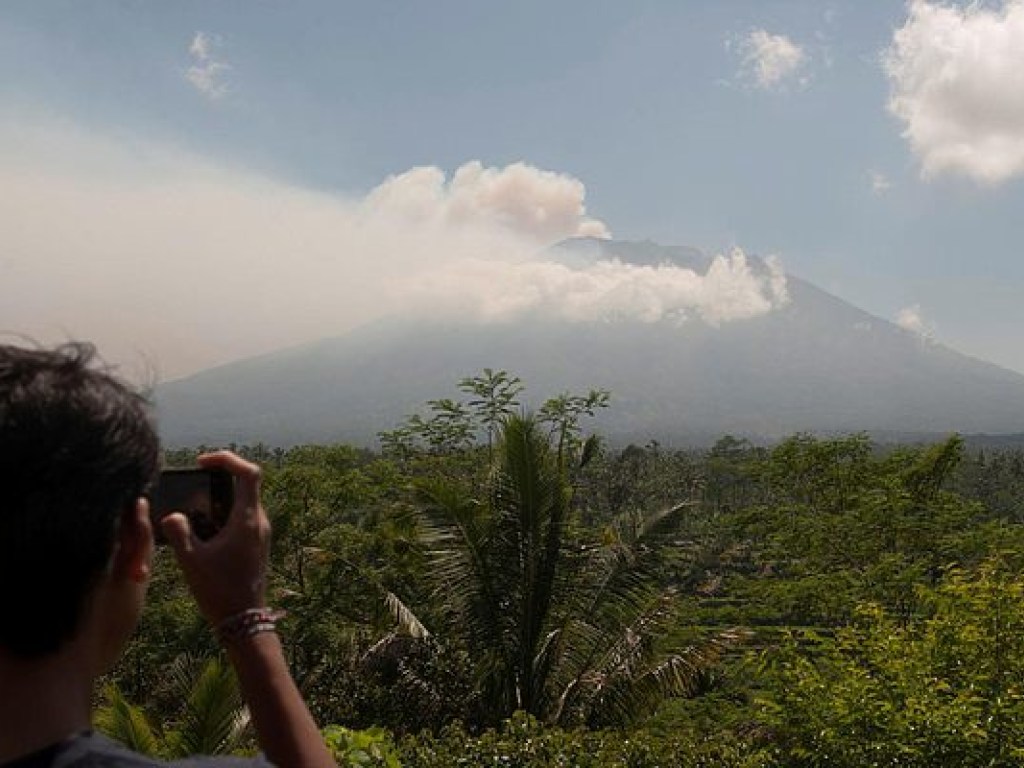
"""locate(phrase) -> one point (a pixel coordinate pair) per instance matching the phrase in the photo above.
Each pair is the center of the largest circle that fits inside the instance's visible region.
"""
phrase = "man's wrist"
(251, 621)
(246, 650)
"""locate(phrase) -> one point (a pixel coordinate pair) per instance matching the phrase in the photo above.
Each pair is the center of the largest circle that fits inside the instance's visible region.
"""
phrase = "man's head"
(77, 450)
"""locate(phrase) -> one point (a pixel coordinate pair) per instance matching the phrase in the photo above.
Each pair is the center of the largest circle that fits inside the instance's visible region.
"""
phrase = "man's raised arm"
(228, 578)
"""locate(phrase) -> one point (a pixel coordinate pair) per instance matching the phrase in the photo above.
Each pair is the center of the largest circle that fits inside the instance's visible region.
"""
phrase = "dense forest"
(497, 587)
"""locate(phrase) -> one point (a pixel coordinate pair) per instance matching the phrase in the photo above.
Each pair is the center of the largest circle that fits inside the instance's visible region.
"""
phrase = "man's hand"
(228, 573)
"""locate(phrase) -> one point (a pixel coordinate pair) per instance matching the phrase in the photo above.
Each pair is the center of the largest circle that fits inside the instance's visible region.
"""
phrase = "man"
(77, 455)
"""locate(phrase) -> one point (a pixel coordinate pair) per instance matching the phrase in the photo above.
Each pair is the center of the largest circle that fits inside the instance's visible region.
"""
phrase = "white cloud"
(911, 319)
(957, 84)
(880, 183)
(769, 61)
(207, 72)
(152, 252)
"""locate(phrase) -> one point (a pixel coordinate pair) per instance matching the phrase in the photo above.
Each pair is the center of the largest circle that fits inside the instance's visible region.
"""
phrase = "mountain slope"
(816, 364)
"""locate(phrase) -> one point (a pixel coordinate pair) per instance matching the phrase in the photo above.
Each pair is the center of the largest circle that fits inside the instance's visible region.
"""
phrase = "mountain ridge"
(816, 364)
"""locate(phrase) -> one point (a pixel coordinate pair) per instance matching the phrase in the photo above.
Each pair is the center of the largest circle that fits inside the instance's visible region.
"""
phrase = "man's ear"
(133, 549)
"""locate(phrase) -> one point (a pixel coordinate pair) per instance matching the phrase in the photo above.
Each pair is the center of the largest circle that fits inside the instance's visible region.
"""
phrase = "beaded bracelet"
(248, 623)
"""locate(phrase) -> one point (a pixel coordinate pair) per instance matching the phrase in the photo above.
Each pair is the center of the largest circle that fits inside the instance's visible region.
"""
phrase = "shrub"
(522, 742)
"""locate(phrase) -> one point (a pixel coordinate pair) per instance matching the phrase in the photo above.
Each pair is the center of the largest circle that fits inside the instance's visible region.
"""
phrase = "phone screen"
(202, 495)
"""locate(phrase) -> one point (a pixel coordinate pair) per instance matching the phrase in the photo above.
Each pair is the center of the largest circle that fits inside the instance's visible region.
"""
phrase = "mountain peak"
(580, 251)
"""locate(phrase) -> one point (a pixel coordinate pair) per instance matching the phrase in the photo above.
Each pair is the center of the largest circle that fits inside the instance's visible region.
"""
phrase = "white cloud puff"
(532, 202)
(769, 61)
(880, 183)
(207, 72)
(957, 84)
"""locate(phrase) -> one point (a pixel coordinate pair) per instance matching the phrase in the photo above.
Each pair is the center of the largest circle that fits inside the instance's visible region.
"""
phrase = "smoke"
(524, 200)
(156, 254)
(607, 290)
(911, 319)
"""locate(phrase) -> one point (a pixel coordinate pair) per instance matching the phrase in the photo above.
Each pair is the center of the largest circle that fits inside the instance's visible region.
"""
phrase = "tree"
(560, 624)
(495, 393)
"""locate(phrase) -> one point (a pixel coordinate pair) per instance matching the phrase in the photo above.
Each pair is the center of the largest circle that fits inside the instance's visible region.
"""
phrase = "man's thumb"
(178, 531)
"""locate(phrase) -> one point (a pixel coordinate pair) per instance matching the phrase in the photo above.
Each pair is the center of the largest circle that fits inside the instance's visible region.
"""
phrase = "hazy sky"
(190, 182)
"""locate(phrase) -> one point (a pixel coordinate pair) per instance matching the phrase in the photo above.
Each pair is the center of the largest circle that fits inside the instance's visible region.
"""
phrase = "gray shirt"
(91, 750)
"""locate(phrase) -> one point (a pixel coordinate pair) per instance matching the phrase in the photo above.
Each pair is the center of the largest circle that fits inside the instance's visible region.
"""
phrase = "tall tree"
(560, 624)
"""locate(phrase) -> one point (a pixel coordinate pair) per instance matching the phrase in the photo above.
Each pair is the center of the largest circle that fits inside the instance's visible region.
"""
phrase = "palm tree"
(564, 626)
(210, 719)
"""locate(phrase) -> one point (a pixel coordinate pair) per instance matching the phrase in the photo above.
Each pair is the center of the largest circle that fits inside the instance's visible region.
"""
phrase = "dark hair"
(77, 448)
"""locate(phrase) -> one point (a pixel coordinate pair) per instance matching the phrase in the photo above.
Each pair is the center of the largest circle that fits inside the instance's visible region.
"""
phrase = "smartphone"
(203, 495)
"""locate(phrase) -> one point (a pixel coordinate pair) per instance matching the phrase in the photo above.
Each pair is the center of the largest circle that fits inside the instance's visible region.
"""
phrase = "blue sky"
(875, 149)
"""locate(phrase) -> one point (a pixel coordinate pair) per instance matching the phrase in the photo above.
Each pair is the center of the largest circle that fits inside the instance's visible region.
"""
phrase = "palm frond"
(468, 563)
(408, 622)
(125, 723)
(591, 448)
(417, 688)
(637, 529)
(628, 696)
(602, 653)
(214, 719)
(531, 499)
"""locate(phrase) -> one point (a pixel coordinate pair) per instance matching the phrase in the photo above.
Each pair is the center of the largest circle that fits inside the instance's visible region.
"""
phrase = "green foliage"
(370, 748)
(454, 427)
(495, 394)
(344, 548)
(996, 479)
(730, 474)
(522, 742)
(946, 690)
(829, 523)
(563, 414)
